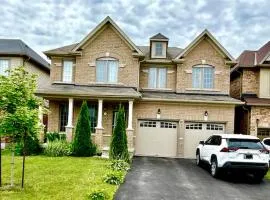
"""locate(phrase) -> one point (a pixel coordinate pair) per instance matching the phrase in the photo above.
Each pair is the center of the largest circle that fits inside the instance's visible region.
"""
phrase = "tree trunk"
(24, 152)
(12, 169)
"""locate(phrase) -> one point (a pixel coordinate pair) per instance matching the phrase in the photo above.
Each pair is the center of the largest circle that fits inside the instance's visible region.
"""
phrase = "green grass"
(56, 178)
(268, 175)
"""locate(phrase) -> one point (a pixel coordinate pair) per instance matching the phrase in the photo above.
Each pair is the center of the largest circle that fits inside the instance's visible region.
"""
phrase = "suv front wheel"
(214, 169)
(198, 158)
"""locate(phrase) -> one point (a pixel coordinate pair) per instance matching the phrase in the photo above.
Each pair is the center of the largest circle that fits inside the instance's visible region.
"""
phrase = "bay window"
(107, 70)
(157, 77)
(203, 77)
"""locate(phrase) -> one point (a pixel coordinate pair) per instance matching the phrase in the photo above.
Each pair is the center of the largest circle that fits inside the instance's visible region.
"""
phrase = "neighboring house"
(173, 97)
(15, 53)
(250, 82)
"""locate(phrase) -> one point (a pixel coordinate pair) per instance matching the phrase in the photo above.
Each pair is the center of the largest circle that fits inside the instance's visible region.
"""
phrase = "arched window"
(203, 77)
(107, 70)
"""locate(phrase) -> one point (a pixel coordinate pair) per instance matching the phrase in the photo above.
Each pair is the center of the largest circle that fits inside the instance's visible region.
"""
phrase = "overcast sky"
(43, 25)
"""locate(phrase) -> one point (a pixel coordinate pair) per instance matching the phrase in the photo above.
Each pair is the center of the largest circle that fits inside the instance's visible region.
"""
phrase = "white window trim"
(117, 72)
(153, 49)
(8, 68)
(63, 72)
(202, 78)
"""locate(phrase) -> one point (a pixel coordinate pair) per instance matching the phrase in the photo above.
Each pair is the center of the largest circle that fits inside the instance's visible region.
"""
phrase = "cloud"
(46, 24)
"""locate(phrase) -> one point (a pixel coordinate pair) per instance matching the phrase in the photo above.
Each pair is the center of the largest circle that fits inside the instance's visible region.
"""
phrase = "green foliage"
(98, 195)
(119, 165)
(114, 178)
(18, 104)
(52, 136)
(58, 148)
(32, 147)
(118, 146)
(82, 144)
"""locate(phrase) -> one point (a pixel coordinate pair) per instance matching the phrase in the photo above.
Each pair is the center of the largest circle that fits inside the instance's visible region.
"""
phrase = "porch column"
(69, 127)
(41, 125)
(130, 130)
(99, 128)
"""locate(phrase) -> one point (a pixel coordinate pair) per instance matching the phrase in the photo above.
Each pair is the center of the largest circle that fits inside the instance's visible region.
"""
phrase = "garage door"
(156, 138)
(195, 132)
(263, 133)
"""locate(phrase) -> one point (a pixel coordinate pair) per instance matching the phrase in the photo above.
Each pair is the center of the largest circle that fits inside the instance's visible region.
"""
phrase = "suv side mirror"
(201, 142)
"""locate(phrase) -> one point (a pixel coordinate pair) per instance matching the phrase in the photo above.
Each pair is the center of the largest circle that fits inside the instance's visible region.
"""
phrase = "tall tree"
(20, 107)
(118, 146)
(82, 144)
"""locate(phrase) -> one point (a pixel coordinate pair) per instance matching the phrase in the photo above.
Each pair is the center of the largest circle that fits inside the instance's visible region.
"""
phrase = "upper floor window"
(264, 83)
(4, 66)
(107, 70)
(157, 77)
(203, 77)
(159, 49)
(67, 71)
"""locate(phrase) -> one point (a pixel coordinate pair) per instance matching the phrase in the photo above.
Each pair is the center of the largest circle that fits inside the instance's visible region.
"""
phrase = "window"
(148, 124)
(195, 126)
(216, 127)
(107, 70)
(158, 49)
(67, 71)
(167, 125)
(93, 116)
(157, 78)
(4, 66)
(264, 83)
(203, 77)
(63, 115)
(244, 143)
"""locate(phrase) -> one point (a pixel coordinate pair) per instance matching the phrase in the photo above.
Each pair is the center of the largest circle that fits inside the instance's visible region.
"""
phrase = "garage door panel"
(155, 138)
(195, 132)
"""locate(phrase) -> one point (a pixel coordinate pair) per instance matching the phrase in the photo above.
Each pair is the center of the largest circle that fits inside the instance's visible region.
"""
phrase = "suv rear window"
(244, 144)
(267, 142)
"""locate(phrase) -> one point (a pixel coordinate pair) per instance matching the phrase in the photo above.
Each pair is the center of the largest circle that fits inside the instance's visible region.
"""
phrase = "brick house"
(250, 82)
(15, 53)
(173, 97)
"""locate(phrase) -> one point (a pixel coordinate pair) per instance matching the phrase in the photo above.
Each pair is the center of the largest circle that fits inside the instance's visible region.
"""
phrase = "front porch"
(64, 113)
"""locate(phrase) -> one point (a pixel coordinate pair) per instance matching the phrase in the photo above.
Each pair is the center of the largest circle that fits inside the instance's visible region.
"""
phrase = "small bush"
(53, 136)
(98, 195)
(114, 178)
(58, 148)
(119, 165)
(32, 147)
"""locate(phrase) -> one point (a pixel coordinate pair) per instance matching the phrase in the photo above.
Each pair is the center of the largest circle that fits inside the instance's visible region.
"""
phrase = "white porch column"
(69, 127)
(41, 125)
(130, 114)
(99, 123)
(70, 112)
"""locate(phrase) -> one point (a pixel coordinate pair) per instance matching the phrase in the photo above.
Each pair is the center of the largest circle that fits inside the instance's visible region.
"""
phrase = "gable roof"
(159, 36)
(16, 47)
(61, 50)
(172, 52)
(263, 53)
(99, 27)
(197, 40)
(246, 59)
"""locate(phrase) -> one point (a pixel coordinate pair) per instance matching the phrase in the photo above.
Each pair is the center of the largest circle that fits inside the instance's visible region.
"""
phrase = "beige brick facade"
(260, 118)
(203, 53)
(235, 87)
(250, 82)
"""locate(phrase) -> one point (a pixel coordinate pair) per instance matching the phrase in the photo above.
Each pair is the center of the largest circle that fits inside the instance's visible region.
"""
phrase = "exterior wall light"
(158, 113)
(205, 116)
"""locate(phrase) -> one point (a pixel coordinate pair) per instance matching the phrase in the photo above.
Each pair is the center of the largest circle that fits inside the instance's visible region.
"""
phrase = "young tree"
(82, 144)
(118, 146)
(20, 107)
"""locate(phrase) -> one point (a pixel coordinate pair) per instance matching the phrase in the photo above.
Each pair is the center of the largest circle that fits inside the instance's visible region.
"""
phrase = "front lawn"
(57, 177)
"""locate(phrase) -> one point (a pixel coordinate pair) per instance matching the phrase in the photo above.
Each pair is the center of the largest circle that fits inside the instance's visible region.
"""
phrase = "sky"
(46, 24)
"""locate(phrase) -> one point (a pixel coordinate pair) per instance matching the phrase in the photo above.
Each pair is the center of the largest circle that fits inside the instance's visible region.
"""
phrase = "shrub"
(114, 178)
(118, 146)
(82, 144)
(119, 165)
(58, 148)
(32, 147)
(52, 136)
(98, 195)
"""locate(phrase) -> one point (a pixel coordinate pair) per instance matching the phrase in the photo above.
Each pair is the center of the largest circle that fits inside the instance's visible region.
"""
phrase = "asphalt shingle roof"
(158, 37)
(18, 47)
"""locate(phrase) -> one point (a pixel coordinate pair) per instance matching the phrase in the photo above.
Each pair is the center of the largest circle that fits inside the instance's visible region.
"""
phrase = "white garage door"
(195, 132)
(156, 138)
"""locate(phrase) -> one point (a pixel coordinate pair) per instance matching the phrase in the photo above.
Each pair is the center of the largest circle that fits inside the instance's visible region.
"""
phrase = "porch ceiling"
(81, 91)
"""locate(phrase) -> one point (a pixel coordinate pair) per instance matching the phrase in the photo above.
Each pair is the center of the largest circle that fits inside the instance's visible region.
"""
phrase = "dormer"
(158, 46)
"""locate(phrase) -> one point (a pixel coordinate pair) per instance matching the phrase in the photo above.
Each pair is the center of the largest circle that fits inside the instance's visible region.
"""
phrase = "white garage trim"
(156, 138)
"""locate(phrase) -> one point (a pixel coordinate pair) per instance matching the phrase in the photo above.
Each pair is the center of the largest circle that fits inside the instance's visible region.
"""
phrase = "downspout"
(139, 74)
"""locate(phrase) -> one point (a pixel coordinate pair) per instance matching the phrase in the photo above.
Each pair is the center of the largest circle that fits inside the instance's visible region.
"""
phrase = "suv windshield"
(244, 144)
(267, 142)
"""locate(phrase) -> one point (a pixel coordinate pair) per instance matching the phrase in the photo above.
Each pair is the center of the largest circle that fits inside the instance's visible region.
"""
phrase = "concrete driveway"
(165, 178)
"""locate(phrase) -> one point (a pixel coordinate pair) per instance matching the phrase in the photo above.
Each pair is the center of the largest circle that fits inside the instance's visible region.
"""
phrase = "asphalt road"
(166, 178)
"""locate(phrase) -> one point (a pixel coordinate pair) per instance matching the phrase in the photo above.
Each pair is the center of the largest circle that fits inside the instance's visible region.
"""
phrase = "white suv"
(234, 152)
(266, 143)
